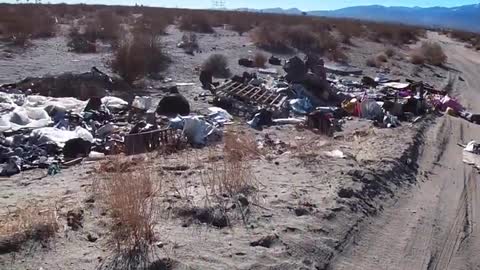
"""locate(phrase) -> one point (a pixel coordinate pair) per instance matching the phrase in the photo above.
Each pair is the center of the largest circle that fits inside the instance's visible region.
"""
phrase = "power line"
(218, 4)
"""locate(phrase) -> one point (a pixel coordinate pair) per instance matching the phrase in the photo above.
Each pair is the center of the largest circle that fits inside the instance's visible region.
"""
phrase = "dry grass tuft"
(234, 174)
(217, 65)
(260, 60)
(129, 197)
(239, 145)
(29, 222)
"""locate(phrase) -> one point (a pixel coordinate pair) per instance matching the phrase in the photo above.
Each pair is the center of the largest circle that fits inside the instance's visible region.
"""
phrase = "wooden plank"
(268, 98)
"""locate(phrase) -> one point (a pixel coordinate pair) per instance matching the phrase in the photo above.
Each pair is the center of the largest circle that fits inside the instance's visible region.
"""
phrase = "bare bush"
(28, 222)
(22, 23)
(373, 62)
(109, 26)
(217, 65)
(189, 43)
(195, 22)
(394, 34)
(234, 175)
(337, 55)
(139, 57)
(129, 197)
(433, 53)
(260, 60)
(240, 25)
(382, 58)
(80, 43)
(390, 52)
(269, 37)
(152, 25)
(417, 58)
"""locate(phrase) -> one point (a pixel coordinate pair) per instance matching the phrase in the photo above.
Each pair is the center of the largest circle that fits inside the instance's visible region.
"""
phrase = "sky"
(305, 5)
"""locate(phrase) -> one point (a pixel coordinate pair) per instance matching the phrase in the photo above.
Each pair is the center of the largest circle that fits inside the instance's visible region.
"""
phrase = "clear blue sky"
(258, 4)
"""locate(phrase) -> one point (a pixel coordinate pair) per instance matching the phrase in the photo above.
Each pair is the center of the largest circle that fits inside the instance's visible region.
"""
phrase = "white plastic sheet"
(114, 103)
(59, 136)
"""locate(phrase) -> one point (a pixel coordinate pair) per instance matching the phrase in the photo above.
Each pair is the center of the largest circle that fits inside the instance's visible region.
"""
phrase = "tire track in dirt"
(461, 227)
(433, 225)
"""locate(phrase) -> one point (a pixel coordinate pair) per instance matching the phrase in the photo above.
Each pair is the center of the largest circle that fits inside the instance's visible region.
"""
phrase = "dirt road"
(433, 225)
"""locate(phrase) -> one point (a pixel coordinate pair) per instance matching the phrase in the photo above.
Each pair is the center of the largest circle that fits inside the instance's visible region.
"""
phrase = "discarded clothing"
(301, 105)
(219, 115)
(260, 119)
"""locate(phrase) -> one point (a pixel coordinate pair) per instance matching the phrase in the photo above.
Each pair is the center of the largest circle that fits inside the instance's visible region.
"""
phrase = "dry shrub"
(394, 33)
(240, 24)
(417, 58)
(472, 39)
(29, 222)
(195, 22)
(21, 23)
(189, 43)
(108, 26)
(239, 145)
(382, 58)
(142, 55)
(260, 60)
(269, 37)
(337, 55)
(129, 197)
(234, 174)
(304, 38)
(152, 25)
(217, 65)
(390, 52)
(373, 62)
(80, 43)
(433, 53)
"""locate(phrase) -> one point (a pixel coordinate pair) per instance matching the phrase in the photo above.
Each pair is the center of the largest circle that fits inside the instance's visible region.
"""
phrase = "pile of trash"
(50, 132)
(308, 96)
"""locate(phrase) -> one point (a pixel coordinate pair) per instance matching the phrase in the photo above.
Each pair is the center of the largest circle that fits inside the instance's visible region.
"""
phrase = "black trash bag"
(369, 81)
(77, 147)
(93, 104)
(206, 78)
(275, 61)
(296, 70)
(173, 104)
(246, 62)
(13, 166)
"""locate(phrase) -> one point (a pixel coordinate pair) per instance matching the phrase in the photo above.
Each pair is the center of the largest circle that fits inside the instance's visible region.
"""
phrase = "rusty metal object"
(322, 122)
(149, 141)
(251, 94)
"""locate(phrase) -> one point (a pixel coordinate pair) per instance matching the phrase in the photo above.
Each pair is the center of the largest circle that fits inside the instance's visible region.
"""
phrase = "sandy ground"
(311, 205)
(434, 224)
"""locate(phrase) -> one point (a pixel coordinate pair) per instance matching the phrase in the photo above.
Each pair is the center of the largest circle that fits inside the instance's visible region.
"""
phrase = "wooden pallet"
(149, 141)
(251, 94)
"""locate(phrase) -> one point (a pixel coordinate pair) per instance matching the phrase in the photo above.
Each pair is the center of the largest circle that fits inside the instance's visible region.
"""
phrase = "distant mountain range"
(462, 17)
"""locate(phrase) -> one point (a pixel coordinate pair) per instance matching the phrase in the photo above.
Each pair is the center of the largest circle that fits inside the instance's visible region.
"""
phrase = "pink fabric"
(447, 101)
